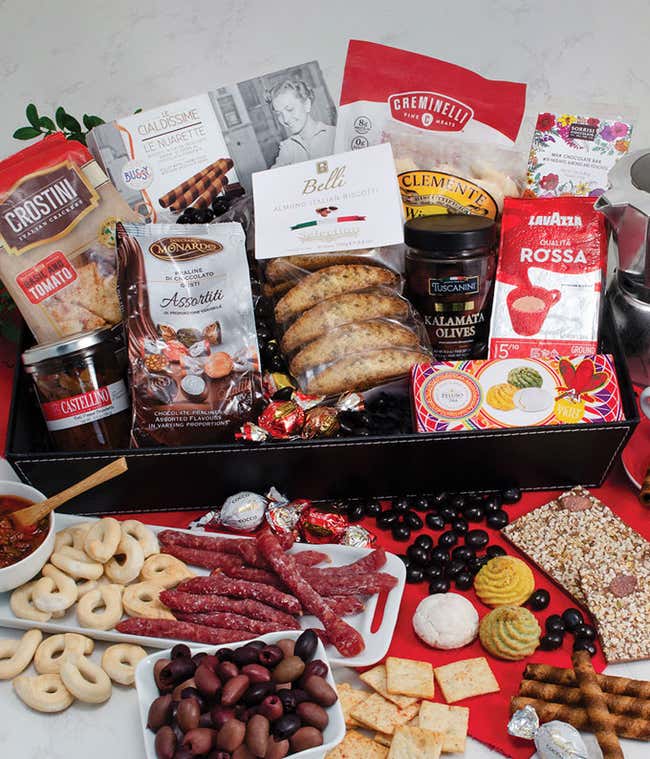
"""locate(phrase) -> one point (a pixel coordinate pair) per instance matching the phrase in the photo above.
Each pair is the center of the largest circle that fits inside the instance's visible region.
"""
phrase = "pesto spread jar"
(450, 267)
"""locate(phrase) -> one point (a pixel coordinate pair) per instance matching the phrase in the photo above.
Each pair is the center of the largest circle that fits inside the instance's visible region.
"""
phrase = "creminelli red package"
(549, 278)
(384, 86)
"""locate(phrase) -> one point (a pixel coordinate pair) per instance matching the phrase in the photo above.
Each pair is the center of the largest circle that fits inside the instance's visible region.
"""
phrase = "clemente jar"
(450, 266)
(80, 385)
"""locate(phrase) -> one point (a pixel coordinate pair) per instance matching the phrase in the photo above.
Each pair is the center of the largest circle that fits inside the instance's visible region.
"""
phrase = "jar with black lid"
(80, 383)
(450, 267)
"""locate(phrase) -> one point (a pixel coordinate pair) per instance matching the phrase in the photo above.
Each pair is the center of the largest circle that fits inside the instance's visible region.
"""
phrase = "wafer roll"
(644, 495)
(222, 166)
(562, 694)
(622, 686)
(211, 192)
(602, 721)
(625, 727)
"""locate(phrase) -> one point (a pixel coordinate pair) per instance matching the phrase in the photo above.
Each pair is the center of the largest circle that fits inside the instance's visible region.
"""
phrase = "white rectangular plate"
(377, 643)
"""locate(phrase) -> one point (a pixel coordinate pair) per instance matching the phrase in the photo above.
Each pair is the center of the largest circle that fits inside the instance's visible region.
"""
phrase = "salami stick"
(347, 583)
(200, 558)
(190, 603)
(343, 605)
(222, 166)
(622, 686)
(228, 621)
(242, 589)
(600, 718)
(346, 639)
(562, 694)
(242, 572)
(174, 629)
(200, 542)
(370, 563)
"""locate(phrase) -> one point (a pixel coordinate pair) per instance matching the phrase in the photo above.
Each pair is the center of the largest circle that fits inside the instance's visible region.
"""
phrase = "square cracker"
(376, 679)
(466, 678)
(408, 677)
(451, 721)
(349, 697)
(415, 743)
(381, 715)
(355, 745)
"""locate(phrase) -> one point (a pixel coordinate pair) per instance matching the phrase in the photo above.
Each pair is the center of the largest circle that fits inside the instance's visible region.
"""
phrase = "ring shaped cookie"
(63, 538)
(45, 693)
(100, 609)
(126, 571)
(75, 563)
(147, 539)
(166, 571)
(102, 539)
(86, 680)
(55, 591)
(56, 648)
(83, 586)
(79, 532)
(141, 600)
(22, 604)
(119, 662)
(15, 655)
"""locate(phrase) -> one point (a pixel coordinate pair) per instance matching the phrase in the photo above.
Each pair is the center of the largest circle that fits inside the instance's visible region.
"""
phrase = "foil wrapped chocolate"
(212, 333)
(274, 381)
(284, 517)
(200, 348)
(553, 740)
(350, 402)
(282, 419)
(251, 433)
(321, 421)
(358, 537)
(318, 526)
(307, 401)
(243, 512)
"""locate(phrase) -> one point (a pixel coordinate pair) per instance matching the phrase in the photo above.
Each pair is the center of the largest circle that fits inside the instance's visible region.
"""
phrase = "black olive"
(207, 216)
(414, 574)
(355, 513)
(180, 651)
(463, 553)
(372, 508)
(401, 505)
(460, 526)
(421, 503)
(245, 655)
(182, 219)
(464, 580)
(455, 568)
(417, 554)
(555, 624)
(193, 214)
(458, 502)
(497, 520)
(572, 618)
(440, 499)
(439, 585)
(440, 556)
(474, 513)
(493, 551)
(476, 538)
(424, 541)
(285, 726)
(580, 644)
(306, 645)
(219, 207)
(258, 692)
(477, 563)
(224, 654)
(434, 521)
(539, 599)
(433, 571)
(276, 364)
(550, 641)
(448, 539)
(586, 632)
(492, 503)
(283, 394)
(405, 559)
(387, 519)
(288, 699)
(511, 495)
(400, 532)
(448, 513)
(413, 520)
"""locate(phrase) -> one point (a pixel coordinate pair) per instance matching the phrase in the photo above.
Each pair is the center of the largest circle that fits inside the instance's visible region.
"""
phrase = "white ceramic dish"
(23, 571)
(147, 692)
(377, 643)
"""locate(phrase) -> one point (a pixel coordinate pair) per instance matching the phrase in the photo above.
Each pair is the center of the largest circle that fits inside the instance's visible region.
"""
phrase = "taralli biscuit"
(101, 609)
(142, 600)
(102, 539)
(79, 532)
(504, 581)
(355, 745)
(127, 562)
(55, 649)
(119, 662)
(415, 743)
(509, 632)
(21, 603)
(86, 680)
(43, 693)
(407, 677)
(145, 537)
(77, 564)
(330, 282)
(466, 678)
(349, 697)
(17, 654)
(165, 570)
(62, 538)
(286, 268)
(451, 721)
(501, 396)
(55, 591)
(381, 715)
(376, 678)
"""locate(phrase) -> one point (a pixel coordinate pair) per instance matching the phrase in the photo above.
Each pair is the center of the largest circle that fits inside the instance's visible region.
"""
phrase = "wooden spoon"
(25, 518)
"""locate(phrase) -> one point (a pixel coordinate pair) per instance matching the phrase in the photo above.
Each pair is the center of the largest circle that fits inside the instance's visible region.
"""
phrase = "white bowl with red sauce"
(22, 554)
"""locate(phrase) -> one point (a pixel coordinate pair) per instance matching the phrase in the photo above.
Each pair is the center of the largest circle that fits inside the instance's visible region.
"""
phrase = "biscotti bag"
(192, 343)
(57, 238)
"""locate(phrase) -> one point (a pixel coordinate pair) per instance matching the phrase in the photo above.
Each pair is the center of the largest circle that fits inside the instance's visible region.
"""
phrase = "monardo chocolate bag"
(190, 326)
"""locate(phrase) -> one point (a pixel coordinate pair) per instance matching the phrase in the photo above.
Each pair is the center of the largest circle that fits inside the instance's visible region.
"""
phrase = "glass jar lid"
(65, 346)
(449, 235)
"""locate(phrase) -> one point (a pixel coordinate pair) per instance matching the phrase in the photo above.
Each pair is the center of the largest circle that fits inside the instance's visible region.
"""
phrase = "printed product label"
(46, 278)
(454, 286)
(86, 407)
(430, 110)
(451, 395)
(425, 193)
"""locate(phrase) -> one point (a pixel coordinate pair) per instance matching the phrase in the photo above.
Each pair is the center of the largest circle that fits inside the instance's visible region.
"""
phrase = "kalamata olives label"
(86, 407)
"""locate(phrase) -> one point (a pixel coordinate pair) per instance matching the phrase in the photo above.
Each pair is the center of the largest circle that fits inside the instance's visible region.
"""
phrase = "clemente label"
(430, 192)
(86, 407)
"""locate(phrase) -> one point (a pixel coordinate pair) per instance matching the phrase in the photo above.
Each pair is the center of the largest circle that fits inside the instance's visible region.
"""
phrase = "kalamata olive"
(289, 669)
(256, 673)
(269, 656)
(205, 720)
(306, 737)
(242, 752)
(320, 690)
(243, 713)
(218, 754)
(165, 743)
(271, 707)
(300, 695)
(224, 654)
(288, 700)
(191, 692)
(286, 726)
(257, 693)
(180, 651)
(315, 667)
(312, 714)
(306, 644)
(257, 734)
(188, 714)
(176, 671)
(220, 715)
(276, 749)
(160, 712)
(176, 693)
(257, 644)
(227, 669)
(234, 689)
(207, 682)
(210, 661)
(183, 752)
(158, 667)
(177, 731)
(287, 646)
(199, 657)
(231, 735)
(245, 655)
(200, 740)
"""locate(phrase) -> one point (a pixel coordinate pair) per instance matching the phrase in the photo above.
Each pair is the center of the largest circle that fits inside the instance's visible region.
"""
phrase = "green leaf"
(137, 110)
(26, 133)
(60, 116)
(32, 115)
(45, 122)
(71, 124)
(92, 121)
(78, 136)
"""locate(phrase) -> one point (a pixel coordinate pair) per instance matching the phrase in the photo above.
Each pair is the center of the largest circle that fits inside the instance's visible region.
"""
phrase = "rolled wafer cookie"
(563, 694)
(622, 686)
(602, 721)
(222, 166)
(211, 188)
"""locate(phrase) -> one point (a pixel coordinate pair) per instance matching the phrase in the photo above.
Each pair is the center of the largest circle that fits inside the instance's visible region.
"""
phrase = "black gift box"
(161, 479)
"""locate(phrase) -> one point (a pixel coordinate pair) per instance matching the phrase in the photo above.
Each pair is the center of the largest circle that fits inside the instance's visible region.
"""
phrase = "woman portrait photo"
(307, 137)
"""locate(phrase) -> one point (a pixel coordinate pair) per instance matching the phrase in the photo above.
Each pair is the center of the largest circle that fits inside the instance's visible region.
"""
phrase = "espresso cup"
(528, 308)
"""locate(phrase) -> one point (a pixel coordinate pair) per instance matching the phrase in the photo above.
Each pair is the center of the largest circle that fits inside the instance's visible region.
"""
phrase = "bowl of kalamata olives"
(270, 697)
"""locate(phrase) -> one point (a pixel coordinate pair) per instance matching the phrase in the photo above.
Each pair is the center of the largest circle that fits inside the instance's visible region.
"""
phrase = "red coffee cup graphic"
(528, 307)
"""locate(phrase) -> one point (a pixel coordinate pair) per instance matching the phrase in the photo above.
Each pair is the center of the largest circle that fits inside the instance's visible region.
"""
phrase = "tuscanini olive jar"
(80, 384)
(450, 267)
